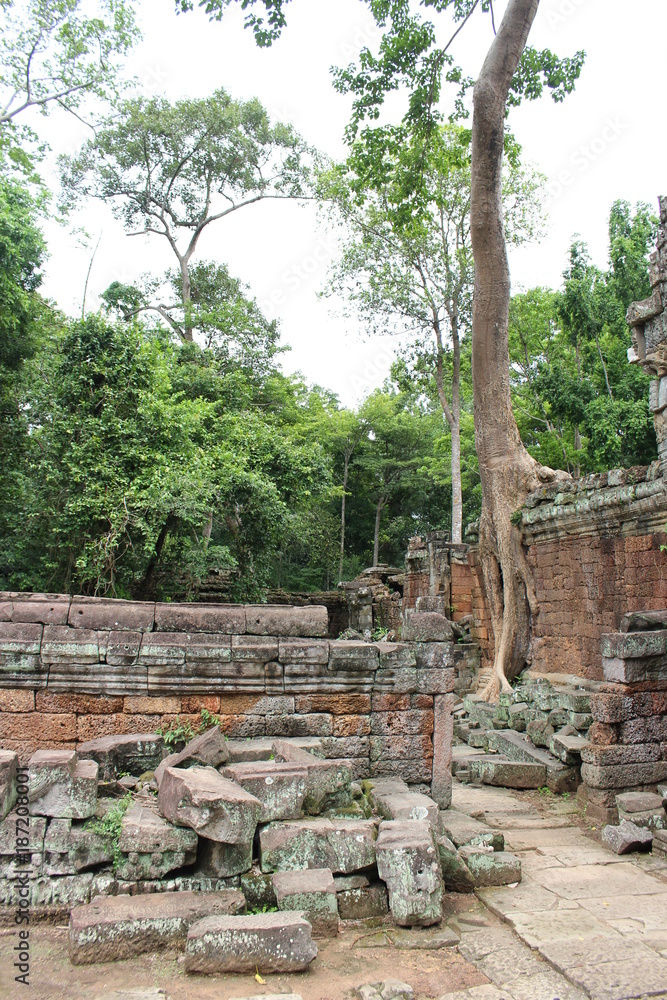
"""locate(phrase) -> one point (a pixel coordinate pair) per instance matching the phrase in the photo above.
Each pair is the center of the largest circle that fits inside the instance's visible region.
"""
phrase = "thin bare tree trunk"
(376, 536)
(507, 471)
(457, 492)
(186, 292)
(346, 469)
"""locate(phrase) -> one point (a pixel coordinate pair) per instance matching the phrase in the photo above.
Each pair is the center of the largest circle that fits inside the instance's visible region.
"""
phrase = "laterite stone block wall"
(74, 669)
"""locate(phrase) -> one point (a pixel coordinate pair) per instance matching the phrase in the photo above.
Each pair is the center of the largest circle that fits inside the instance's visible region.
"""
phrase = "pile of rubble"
(642, 823)
(239, 851)
(534, 738)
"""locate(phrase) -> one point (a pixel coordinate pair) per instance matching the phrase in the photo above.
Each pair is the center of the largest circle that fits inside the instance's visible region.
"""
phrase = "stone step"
(260, 942)
(118, 927)
(559, 777)
(313, 893)
(497, 770)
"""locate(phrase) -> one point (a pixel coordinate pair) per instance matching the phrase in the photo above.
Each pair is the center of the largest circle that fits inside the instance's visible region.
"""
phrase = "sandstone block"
(660, 843)
(409, 865)
(443, 733)
(312, 892)
(213, 806)
(19, 655)
(257, 648)
(343, 846)
(489, 867)
(363, 902)
(109, 613)
(279, 787)
(257, 887)
(152, 846)
(227, 619)
(123, 648)
(118, 927)
(493, 770)
(266, 942)
(60, 786)
(303, 651)
(134, 753)
(426, 626)
(71, 848)
(282, 620)
(396, 655)
(627, 837)
(208, 749)
(405, 806)
(9, 761)
(630, 671)
(219, 860)
(328, 781)
(62, 644)
(624, 775)
(44, 609)
(465, 831)
(631, 645)
(263, 748)
(455, 872)
(162, 648)
(644, 621)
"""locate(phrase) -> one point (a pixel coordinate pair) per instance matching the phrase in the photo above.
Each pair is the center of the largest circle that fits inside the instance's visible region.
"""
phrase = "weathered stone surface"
(625, 775)
(69, 848)
(19, 655)
(632, 645)
(491, 867)
(426, 626)
(493, 770)
(455, 873)
(220, 860)
(266, 942)
(118, 927)
(282, 620)
(152, 846)
(227, 619)
(660, 842)
(208, 749)
(465, 831)
(8, 764)
(257, 887)
(389, 989)
(328, 781)
(109, 613)
(279, 787)
(405, 805)
(627, 837)
(34, 829)
(443, 734)
(635, 669)
(363, 902)
(213, 806)
(45, 609)
(638, 802)
(408, 863)
(263, 748)
(644, 621)
(61, 786)
(313, 893)
(343, 846)
(62, 644)
(560, 778)
(567, 748)
(134, 753)
(163, 649)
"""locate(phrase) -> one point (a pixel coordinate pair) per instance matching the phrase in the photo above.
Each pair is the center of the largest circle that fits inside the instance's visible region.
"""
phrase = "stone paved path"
(582, 923)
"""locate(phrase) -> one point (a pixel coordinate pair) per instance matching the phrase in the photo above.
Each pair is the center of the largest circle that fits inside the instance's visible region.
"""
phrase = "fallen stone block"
(328, 781)
(9, 761)
(279, 787)
(464, 830)
(209, 749)
(517, 747)
(409, 865)
(405, 805)
(62, 786)
(113, 928)
(152, 847)
(344, 846)
(213, 806)
(265, 942)
(660, 843)
(257, 887)
(627, 837)
(491, 867)
(567, 748)
(313, 892)
(220, 860)
(363, 902)
(493, 770)
(455, 872)
(133, 753)
(261, 748)
(71, 848)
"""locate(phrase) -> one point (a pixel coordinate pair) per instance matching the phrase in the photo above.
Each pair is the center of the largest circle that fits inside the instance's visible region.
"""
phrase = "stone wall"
(75, 669)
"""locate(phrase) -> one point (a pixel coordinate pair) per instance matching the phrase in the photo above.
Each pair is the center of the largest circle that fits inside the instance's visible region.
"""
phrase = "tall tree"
(413, 272)
(174, 169)
(410, 57)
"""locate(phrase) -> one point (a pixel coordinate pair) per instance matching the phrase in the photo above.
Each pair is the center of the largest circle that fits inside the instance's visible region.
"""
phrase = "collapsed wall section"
(76, 669)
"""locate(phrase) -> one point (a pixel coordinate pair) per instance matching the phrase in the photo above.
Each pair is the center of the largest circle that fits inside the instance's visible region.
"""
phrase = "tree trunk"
(346, 469)
(508, 473)
(376, 536)
(187, 298)
(457, 493)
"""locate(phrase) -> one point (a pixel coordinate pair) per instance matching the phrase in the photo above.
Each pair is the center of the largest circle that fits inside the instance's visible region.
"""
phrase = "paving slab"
(528, 897)
(544, 926)
(589, 881)
(546, 985)
(631, 913)
(588, 854)
(622, 980)
(487, 992)
(526, 839)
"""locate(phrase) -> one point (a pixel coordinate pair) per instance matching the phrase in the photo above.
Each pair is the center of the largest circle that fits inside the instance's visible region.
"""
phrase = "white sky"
(605, 142)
